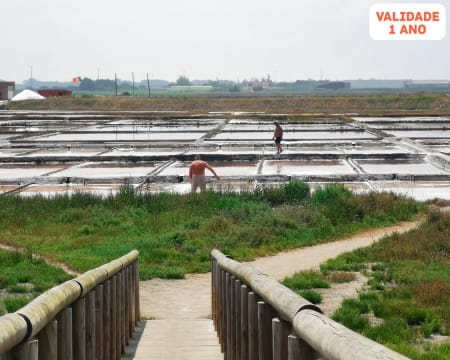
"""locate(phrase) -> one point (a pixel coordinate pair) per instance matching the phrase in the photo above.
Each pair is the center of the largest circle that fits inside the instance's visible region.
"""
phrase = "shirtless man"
(197, 173)
(278, 136)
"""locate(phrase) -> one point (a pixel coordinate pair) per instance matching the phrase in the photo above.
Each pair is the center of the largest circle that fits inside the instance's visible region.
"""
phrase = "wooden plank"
(64, 334)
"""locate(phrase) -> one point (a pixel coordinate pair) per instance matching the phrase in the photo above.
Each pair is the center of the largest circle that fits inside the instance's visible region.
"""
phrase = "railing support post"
(26, 351)
(244, 322)
(253, 347)
(280, 332)
(107, 320)
(90, 325)
(299, 349)
(99, 322)
(265, 316)
(237, 318)
(48, 342)
(79, 329)
(65, 338)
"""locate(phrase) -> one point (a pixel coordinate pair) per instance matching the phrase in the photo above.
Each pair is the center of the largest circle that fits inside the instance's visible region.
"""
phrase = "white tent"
(27, 95)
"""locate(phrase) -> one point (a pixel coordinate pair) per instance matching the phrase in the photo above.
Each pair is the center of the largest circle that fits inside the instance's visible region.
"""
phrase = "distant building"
(378, 84)
(7, 90)
(54, 92)
(427, 84)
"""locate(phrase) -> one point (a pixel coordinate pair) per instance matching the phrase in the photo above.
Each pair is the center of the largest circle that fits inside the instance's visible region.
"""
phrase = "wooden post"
(118, 315)
(90, 325)
(113, 322)
(253, 347)
(99, 322)
(136, 276)
(48, 342)
(228, 350)
(237, 322)
(299, 349)
(107, 320)
(65, 338)
(219, 312)
(79, 329)
(244, 322)
(280, 332)
(123, 313)
(265, 316)
(132, 300)
(213, 292)
(232, 323)
(26, 351)
(223, 310)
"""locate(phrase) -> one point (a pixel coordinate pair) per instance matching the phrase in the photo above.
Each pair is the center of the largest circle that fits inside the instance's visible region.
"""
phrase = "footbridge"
(95, 316)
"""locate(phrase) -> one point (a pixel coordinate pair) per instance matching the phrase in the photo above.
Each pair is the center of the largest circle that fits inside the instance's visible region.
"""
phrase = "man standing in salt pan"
(197, 174)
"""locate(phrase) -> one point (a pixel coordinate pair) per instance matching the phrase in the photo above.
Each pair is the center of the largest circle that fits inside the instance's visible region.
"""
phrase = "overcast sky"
(207, 39)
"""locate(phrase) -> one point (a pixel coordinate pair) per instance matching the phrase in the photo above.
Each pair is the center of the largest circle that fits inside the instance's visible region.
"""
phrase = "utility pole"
(115, 82)
(148, 85)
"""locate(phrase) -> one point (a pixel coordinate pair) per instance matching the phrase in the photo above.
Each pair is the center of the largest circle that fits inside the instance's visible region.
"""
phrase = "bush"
(311, 295)
(12, 304)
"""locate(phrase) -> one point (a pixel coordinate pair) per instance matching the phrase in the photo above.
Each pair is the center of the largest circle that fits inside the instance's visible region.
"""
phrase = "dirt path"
(190, 298)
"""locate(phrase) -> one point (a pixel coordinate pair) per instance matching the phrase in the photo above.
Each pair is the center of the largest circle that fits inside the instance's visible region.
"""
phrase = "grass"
(399, 104)
(175, 233)
(409, 289)
(23, 277)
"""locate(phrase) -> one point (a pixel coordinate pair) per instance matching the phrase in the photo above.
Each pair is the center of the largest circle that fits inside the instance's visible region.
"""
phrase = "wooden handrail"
(28, 322)
(256, 317)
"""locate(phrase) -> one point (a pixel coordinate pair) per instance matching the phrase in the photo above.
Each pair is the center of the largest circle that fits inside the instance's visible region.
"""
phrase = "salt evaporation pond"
(421, 134)
(149, 136)
(412, 119)
(393, 166)
(297, 135)
(239, 168)
(12, 172)
(106, 170)
(147, 128)
(316, 167)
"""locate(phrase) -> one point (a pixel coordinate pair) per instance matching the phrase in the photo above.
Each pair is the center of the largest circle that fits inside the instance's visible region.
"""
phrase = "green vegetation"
(24, 277)
(408, 291)
(400, 104)
(175, 233)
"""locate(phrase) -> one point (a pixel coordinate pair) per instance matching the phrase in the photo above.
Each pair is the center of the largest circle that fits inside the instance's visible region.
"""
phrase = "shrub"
(306, 280)
(311, 295)
(13, 304)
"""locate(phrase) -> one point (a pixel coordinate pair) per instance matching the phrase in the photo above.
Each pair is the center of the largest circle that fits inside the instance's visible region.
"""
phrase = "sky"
(289, 40)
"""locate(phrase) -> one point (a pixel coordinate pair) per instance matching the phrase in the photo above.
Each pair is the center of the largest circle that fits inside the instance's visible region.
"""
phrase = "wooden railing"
(257, 318)
(90, 317)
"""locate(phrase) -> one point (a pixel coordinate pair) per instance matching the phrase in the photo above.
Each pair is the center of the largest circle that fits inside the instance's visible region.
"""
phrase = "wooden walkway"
(175, 339)
(179, 325)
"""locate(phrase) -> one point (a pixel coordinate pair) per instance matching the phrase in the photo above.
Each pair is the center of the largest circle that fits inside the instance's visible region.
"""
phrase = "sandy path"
(190, 298)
